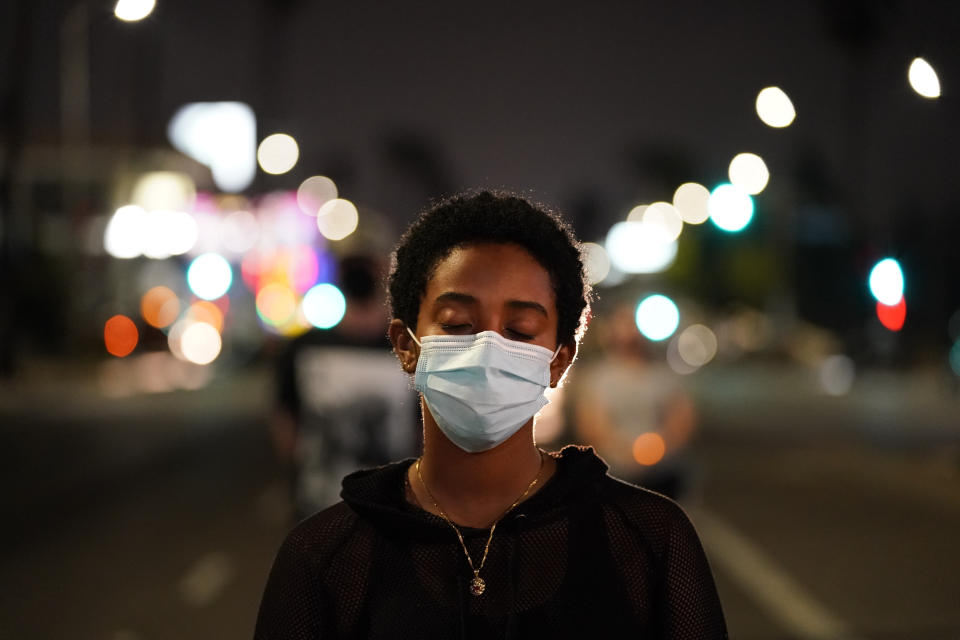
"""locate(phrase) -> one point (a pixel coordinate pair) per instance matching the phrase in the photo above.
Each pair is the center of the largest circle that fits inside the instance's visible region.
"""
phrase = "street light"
(133, 10)
(923, 78)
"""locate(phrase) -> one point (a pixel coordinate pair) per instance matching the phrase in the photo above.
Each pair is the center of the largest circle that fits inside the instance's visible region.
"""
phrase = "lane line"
(207, 578)
(768, 584)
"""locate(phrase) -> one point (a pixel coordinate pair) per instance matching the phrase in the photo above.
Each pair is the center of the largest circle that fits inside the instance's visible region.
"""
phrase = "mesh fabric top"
(586, 556)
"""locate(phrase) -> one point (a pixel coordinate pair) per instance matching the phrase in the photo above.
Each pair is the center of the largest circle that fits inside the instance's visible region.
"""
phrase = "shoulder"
(628, 510)
(317, 538)
(293, 597)
(660, 521)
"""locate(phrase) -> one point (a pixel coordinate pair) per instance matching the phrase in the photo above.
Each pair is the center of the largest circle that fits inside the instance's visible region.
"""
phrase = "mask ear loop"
(414, 337)
(559, 346)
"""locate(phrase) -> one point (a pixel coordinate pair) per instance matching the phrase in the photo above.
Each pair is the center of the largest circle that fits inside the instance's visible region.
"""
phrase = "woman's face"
(490, 287)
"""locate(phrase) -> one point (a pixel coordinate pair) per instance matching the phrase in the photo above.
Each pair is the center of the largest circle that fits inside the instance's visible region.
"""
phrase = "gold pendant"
(477, 585)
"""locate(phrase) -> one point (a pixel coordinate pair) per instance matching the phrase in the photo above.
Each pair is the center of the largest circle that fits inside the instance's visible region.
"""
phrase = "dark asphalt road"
(163, 524)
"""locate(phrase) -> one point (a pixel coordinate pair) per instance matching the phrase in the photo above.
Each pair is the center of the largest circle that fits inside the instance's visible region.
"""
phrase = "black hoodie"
(586, 556)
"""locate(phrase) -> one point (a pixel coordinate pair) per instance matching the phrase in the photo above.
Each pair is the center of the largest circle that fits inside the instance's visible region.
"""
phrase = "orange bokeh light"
(276, 303)
(120, 335)
(206, 311)
(649, 448)
(159, 307)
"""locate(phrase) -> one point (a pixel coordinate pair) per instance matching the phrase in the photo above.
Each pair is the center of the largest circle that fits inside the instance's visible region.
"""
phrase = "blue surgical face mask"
(481, 388)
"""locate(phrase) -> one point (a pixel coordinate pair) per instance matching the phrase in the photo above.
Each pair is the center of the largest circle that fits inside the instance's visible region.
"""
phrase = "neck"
(474, 489)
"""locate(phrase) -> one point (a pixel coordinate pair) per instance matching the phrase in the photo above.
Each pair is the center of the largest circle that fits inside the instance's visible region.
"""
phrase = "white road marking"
(766, 582)
(206, 579)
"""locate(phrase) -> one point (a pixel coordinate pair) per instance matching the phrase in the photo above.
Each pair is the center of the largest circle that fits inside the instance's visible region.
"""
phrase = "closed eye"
(516, 335)
(455, 327)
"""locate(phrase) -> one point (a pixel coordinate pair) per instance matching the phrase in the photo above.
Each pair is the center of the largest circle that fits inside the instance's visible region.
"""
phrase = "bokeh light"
(297, 268)
(123, 237)
(209, 276)
(278, 153)
(303, 268)
(276, 303)
(953, 325)
(211, 225)
(596, 262)
(175, 334)
(120, 335)
(749, 173)
(894, 316)
(634, 248)
(731, 209)
(837, 373)
(636, 214)
(657, 317)
(253, 267)
(955, 357)
(675, 362)
(220, 135)
(207, 312)
(337, 219)
(282, 222)
(239, 231)
(324, 306)
(314, 192)
(295, 325)
(923, 78)
(132, 231)
(168, 233)
(690, 200)
(886, 281)
(181, 230)
(200, 343)
(697, 345)
(164, 191)
(775, 108)
(661, 218)
(133, 10)
(159, 307)
(649, 448)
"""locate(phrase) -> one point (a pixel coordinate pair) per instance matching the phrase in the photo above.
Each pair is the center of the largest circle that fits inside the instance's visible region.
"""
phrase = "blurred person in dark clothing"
(342, 404)
(485, 535)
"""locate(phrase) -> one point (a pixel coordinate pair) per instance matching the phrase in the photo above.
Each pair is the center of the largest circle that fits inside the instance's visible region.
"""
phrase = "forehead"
(493, 271)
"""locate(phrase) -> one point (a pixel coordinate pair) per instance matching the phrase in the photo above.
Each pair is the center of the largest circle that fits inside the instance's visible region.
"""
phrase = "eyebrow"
(453, 296)
(527, 304)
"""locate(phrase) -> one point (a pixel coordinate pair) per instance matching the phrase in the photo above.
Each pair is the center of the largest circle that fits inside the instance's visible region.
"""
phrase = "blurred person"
(485, 534)
(632, 409)
(342, 404)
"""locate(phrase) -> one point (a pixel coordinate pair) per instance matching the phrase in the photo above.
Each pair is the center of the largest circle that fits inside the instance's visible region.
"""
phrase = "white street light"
(133, 10)
(923, 78)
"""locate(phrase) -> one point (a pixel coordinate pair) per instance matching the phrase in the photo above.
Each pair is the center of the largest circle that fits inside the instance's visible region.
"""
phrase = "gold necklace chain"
(477, 585)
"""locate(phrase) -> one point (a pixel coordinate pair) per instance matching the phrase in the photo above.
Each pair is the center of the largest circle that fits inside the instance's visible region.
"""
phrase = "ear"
(408, 352)
(560, 364)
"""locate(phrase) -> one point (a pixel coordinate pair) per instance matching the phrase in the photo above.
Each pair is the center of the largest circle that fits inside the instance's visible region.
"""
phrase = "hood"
(377, 495)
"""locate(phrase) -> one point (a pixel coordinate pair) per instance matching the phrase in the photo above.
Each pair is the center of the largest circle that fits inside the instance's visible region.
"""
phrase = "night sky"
(606, 102)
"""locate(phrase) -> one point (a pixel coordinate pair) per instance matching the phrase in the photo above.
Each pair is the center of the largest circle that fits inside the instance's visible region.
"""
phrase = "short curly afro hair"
(499, 217)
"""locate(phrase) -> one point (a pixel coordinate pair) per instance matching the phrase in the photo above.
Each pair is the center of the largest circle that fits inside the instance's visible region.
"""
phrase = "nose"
(490, 322)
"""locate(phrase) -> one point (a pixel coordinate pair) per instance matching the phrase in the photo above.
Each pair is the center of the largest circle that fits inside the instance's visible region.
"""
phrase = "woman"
(485, 535)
